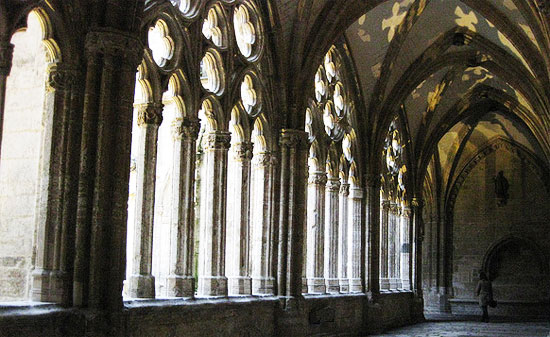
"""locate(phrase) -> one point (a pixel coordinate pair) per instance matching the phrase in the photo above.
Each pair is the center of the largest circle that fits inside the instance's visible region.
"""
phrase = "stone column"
(316, 232)
(343, 279)
(6, 55)
(141, 281)
(180, 282)
(405, 246)
(212, 280)
(55, 203)
(393, 239)
(293, 147)
(354, 239)
(384, 249)
(331, 235)
(238, 209)
(373, 225)
(261, 231)
(418, 232)
(100, 245)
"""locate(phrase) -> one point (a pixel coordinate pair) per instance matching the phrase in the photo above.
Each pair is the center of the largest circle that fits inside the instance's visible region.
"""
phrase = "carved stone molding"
(6, 56)
(186, 128)
(386, 205)
(317, 178)
(149, 113)
(242, 151)
(216, 140)
(417, 202)
(115, 43)
(406, 212)
(293, 138)
(61, 77)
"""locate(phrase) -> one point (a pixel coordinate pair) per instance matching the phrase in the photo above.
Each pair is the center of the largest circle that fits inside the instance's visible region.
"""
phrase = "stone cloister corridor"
(274, 167)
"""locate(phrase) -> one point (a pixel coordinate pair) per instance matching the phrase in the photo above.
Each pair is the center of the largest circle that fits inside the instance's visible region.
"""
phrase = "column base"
(316, 285)
(40, 291)
(239, 285)
(304, 285)
(212, 286)
(180, 286)
(332, 285)
(263, 286)
(141, 286)
(384, 284)
(59, 283)
(394, 283)
(344, 285)
(355, 285)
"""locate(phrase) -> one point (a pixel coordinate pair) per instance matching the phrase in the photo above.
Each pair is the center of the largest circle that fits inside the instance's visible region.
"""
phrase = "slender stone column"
(142, 282)
(316, 232)
(384, 249)
(405, 246)
(393, 239)
(238, 208)
(261, 259)
(343, 279)
(180, 282)
(212, 280)
(354, 239)
(6, 55)
(331, 235)
(418, 230)
(293, 146)
(373, 219)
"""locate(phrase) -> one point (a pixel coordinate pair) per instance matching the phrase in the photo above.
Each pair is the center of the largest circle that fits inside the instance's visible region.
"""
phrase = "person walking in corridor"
(484, 291)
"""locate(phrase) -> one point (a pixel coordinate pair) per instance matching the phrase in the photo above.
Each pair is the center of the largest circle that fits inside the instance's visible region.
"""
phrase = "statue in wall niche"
(501, 188)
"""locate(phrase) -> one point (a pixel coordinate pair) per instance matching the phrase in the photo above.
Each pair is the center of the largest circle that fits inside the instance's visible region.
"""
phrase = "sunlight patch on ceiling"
(510, 5)
(393, 21)
(468, 20)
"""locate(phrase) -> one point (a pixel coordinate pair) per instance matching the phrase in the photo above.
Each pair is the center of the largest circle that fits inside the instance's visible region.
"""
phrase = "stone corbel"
(6, 56)
(149, 113)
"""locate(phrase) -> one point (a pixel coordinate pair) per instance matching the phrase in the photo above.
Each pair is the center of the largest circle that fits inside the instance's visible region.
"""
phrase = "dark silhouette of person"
(484, 291)
(501, 188)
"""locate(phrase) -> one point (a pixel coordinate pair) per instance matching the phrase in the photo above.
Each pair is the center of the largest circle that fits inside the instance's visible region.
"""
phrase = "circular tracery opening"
(213, 28)
(245, 30)
(212, 72)
(160, 43)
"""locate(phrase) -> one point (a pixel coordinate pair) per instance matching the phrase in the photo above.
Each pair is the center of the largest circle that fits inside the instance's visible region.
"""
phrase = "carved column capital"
(356, 193)
(394, 208)
(406, 211)
(149, 113)
(216, 140)
(6, 56)
(333, 185)
(417, 202)
(186, 128)
(263, 159)
(293, 138)
(344, 189)
(115, 43)
(242, 151)
(317, 178)
(61, 77)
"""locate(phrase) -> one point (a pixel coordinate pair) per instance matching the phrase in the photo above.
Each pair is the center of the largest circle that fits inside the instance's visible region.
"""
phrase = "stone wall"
(513, 239)
(19, 166)
(349, 315)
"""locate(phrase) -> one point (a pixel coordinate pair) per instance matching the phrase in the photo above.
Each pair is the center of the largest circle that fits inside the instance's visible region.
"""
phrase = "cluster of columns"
(334, 232)
(394, 246)
(236, 233)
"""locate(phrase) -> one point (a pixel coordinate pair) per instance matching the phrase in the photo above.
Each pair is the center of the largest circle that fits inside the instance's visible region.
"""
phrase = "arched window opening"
(28, 254)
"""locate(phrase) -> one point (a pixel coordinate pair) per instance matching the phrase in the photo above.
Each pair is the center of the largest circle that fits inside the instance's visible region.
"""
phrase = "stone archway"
(518, 269)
